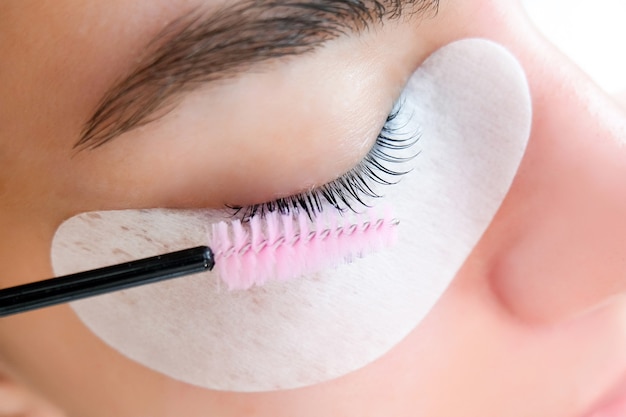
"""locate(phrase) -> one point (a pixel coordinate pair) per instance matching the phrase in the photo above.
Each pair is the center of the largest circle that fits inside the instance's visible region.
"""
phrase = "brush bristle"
(280, 247)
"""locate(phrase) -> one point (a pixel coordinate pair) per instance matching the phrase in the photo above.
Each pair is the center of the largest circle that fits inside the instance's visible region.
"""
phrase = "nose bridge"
(558, 245)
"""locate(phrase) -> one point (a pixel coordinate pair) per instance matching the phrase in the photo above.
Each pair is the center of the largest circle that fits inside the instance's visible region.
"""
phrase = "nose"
(558, 244)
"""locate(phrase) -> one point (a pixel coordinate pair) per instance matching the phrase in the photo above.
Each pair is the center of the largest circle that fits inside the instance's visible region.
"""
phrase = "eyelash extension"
(352, 190)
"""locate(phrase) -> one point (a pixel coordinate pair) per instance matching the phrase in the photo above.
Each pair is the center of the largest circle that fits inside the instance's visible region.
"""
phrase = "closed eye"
(384, 165)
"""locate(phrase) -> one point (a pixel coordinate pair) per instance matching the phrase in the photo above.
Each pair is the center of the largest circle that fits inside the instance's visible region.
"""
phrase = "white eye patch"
(471, 102)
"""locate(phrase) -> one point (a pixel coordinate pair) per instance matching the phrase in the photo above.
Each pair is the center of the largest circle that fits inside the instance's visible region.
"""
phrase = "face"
(534, 314)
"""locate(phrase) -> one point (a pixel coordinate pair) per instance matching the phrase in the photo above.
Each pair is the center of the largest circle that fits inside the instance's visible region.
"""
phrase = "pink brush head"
(284, 246)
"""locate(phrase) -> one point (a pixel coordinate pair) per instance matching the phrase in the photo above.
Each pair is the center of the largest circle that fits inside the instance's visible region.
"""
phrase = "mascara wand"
(277, 247)
(73, 287)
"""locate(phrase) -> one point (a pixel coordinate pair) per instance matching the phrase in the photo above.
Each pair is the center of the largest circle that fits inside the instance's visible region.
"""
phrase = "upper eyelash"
(354, 187)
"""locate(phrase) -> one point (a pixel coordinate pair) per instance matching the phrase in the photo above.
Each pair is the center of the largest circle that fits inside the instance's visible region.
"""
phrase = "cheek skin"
(283, 130)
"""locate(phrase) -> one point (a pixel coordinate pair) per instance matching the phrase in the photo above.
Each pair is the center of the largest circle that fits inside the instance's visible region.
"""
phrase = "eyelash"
(352, 189)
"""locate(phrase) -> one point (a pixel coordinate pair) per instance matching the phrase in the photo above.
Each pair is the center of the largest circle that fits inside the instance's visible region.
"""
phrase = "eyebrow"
(203, 47)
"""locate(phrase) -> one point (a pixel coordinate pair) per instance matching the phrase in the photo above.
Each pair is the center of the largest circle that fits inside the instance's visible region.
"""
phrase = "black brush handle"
(104, 280)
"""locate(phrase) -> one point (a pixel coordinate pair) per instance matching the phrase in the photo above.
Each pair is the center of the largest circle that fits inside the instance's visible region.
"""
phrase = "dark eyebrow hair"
(202, 47)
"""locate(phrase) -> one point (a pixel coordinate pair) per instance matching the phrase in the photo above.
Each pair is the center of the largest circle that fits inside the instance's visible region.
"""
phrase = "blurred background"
(592, 33)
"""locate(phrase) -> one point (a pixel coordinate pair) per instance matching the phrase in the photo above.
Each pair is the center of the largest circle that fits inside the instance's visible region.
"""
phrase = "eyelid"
(382, 165)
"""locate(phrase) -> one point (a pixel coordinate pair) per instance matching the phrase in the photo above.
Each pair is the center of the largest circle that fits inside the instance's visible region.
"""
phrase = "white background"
(592, 33)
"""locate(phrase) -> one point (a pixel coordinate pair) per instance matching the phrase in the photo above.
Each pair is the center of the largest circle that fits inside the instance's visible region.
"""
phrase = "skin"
(534, 324)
